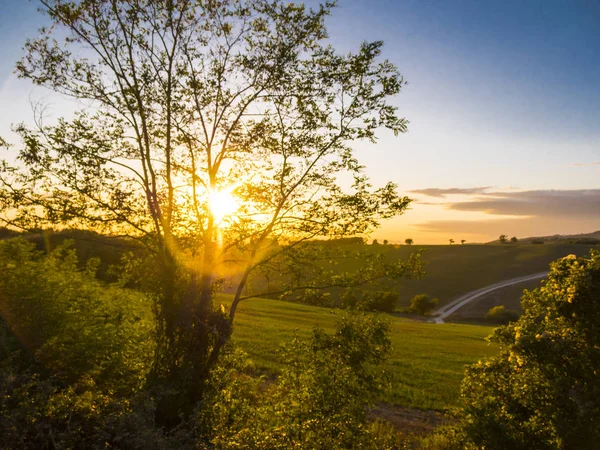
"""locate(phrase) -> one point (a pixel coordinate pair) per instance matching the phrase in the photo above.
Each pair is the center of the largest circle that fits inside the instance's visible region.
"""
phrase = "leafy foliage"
(74, 351)
(384, 301)
(543, 390)
(187, 100)
(318, 401)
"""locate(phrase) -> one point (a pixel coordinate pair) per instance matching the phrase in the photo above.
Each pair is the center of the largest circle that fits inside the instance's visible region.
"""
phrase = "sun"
(222, 204)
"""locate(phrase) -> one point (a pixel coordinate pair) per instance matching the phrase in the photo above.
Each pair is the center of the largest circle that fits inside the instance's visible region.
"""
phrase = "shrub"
(501, 315)
(384, 301)
(422, 304)
(317, 402)
(543, 390)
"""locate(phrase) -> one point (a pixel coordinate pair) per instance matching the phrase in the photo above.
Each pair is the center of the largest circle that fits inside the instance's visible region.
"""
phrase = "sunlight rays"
(222, 204)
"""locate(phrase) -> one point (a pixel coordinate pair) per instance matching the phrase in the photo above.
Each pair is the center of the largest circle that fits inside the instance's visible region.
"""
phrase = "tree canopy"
(214, 133)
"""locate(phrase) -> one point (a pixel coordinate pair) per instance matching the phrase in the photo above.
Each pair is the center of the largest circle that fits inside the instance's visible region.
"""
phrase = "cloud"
(441, 193)
(541, 203)
(587, 164)
(486, 230)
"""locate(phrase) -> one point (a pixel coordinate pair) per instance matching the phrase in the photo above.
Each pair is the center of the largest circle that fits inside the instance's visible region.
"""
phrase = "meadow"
(425, 367)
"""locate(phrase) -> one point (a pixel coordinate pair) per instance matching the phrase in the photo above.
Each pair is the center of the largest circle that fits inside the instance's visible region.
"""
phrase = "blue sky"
(503, 95)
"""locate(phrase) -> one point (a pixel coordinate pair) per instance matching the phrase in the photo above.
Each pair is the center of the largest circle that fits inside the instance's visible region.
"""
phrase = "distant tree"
(542, 391)
(503, 238)
(451, 241)
(385, 242)
(408, 241)
(501, 315)
(375, 242)
(537, 241)
(514, 240)
(462, 241)
(422, 304)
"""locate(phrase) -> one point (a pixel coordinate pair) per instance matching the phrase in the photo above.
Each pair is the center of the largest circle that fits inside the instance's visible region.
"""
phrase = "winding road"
(464, 299)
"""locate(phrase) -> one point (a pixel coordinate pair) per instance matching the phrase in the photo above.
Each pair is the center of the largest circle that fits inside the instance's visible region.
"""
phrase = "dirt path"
(464, 299)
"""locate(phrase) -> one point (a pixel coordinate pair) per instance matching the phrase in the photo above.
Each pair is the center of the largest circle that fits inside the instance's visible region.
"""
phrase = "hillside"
(455, 269)
(582, 238)
(451, 270)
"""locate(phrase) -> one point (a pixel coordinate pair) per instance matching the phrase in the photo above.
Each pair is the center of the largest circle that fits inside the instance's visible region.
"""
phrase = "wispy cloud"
(597, 163)
(442, 193)
(482, 230)
(544, 203)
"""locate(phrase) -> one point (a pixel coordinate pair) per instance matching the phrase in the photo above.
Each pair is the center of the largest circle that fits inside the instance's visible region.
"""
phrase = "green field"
(426, 365)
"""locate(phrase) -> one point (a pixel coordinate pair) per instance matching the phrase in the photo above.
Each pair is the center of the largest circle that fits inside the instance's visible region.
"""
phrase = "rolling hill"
(452, 270)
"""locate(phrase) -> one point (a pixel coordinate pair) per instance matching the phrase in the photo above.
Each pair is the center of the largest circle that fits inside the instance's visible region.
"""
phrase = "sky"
(503, 100)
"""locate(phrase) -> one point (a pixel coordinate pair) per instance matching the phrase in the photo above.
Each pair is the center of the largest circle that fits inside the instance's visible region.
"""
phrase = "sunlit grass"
(426, 365)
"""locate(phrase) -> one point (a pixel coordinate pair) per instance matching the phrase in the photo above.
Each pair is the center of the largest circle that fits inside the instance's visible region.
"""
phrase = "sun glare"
(222, 204)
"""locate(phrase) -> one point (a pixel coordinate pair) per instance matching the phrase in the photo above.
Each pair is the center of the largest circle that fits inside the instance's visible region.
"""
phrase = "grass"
(426, 365)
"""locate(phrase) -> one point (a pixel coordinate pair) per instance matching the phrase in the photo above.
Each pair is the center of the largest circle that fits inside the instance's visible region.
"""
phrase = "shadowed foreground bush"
(74, 352)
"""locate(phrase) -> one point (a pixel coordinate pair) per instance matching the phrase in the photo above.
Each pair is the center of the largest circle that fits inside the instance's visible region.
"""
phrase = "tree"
(214, 135)
(385, 242)
(451, 241)
(514, 240)
(408, 241)
(462, 241)
(422, 304)
(503, 238)
(542, 391)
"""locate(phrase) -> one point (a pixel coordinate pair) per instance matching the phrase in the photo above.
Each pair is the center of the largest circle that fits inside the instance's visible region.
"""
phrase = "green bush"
(501, 315)
(317, 402)
(543, 390)
(422, 304)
